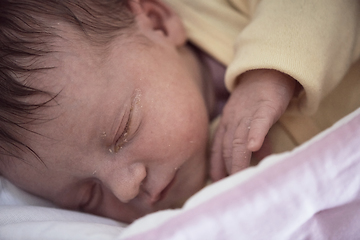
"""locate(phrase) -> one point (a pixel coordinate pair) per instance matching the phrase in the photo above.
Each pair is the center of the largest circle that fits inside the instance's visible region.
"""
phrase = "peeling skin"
(137, 97)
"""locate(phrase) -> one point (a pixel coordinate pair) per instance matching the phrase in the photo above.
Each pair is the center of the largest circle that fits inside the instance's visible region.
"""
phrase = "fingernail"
(251, 144)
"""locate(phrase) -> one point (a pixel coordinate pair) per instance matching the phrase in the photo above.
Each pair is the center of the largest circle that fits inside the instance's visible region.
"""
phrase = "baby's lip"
(162, 194)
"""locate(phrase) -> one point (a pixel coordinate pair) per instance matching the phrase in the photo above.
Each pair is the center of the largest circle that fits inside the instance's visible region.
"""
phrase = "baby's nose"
(128, 186)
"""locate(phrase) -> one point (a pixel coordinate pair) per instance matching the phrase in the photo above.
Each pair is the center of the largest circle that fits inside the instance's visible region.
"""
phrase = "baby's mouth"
(165, 191)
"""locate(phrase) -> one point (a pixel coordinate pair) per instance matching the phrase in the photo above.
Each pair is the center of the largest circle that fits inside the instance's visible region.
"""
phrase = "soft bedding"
(312, 192)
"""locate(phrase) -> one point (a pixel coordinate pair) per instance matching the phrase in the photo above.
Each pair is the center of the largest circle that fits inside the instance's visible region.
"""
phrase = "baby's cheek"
(193, 137)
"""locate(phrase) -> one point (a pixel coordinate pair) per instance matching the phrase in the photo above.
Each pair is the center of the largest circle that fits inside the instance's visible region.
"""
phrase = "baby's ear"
(154, 15)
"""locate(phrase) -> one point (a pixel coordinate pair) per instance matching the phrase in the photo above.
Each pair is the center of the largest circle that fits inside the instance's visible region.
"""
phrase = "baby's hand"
(259, 99)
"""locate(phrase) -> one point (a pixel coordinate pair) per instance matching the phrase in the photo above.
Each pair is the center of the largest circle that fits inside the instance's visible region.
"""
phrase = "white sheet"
(24, 216)
(312, 192)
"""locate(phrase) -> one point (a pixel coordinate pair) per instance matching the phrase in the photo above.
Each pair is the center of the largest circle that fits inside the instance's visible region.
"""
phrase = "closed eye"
(124, 135)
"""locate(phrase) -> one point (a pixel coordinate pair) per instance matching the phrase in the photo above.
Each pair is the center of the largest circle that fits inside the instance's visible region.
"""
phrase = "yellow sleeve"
(315, 42)
(212, 25)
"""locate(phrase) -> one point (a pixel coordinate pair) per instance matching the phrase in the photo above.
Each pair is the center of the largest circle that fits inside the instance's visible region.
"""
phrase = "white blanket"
(312, 192)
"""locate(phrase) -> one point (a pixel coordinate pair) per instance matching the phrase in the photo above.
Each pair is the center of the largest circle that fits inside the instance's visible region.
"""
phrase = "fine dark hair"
(27, 30)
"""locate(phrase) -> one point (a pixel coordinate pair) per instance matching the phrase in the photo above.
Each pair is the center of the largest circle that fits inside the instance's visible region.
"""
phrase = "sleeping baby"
(105, 106)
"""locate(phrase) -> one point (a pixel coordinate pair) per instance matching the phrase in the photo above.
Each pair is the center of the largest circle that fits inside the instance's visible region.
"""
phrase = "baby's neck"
(213, 84)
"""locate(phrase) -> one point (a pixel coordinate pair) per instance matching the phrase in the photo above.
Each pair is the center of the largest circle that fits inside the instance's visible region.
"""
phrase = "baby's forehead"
(70, 56)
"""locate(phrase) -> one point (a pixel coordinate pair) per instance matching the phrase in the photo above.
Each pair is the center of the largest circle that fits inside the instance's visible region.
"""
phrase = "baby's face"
(128, 133)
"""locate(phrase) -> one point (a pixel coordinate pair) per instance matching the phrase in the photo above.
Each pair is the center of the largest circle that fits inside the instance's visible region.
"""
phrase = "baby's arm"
(257, 102)
(304, 39)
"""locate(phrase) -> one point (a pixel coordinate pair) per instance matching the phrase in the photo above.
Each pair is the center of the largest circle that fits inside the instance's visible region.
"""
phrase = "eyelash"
(122, 139)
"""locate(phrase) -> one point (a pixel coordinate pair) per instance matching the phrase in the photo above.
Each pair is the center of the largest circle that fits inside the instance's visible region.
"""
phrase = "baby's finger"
(240, 154)
(217, 165)
(259, 128)
(235, 141)
(241, 160)
(227, 147)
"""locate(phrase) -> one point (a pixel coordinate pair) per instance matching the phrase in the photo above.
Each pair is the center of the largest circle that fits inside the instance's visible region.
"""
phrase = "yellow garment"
(315, 42)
